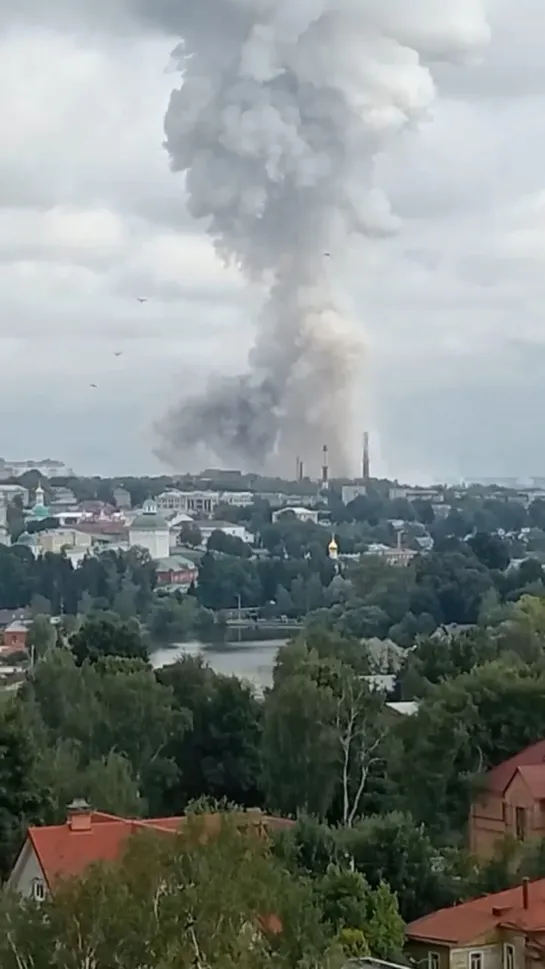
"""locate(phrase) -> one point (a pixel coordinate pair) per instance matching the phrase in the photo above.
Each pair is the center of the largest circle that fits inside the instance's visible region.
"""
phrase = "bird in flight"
(118, 353)
(142, 299)
(327, 254)
(94, 385)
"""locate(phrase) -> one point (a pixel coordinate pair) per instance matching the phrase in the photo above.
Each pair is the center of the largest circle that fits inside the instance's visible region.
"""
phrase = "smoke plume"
(283, 108)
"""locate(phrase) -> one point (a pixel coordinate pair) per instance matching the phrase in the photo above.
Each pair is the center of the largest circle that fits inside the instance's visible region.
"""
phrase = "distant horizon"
(486, 480)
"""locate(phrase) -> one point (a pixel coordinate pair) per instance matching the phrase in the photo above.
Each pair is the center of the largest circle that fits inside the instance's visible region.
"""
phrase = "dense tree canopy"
(221, 901)
(381, 799)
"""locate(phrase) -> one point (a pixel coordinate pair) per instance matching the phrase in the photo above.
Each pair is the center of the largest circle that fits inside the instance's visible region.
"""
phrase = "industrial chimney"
(325, 468)
(301, 471)
(365, 459)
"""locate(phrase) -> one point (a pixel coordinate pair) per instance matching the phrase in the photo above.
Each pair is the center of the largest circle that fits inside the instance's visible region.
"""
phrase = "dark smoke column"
(283, 107)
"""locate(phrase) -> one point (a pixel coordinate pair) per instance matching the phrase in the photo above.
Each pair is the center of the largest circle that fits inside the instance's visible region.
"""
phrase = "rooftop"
(521, 907)
(173, 563)
(499, 777)
(149, 519)
(66, 850)
(17, 627)
(406, 708)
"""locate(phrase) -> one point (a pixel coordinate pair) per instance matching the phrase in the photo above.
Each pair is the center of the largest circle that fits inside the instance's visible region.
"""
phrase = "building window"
(433, 960)
(38, 890)
(509, 957)
(475, 960)
(520, 823)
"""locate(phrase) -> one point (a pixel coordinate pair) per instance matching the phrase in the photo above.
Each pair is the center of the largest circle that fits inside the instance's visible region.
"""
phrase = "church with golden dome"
(333, 549)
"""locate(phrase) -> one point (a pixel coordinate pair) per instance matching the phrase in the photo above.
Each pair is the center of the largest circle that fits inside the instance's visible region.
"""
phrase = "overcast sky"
(91, 218)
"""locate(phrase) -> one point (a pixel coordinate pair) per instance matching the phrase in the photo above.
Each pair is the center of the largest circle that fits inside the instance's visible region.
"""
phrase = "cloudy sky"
(453, 308)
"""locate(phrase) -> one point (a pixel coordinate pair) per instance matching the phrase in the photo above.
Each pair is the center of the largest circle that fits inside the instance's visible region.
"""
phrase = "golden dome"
(333, 547)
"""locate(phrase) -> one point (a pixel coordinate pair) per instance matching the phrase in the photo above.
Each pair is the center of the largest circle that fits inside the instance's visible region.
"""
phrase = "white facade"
(237, 499)
(10, 491)
(416, 494)
(228, 528)
(122, 499)
(63, 539)
(198, 502)
(393, 556)
(4, 532)
(48, 468)
(302, 514)
(351, 492)
(156, 541)
(27, 877)
(148, 530)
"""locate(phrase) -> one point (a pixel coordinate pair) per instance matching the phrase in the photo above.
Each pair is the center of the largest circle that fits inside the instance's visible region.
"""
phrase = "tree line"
(321, 746)
(197, 900)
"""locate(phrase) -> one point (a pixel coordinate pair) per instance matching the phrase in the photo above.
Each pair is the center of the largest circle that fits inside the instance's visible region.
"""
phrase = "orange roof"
(463, 923)
(498, 778)
(533, 776)
(65, 852)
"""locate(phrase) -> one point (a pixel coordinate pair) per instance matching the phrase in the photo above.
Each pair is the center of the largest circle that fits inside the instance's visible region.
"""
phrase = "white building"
(197, 502)
(122, 498)
(352, 491)
(237, 499)
(48, 467)
(63, 499)
(393, 556)
(69, 517)
(416, 494)
(302, 514)
(11, 491)
(150, 531)
(4, 531)
(228, 528)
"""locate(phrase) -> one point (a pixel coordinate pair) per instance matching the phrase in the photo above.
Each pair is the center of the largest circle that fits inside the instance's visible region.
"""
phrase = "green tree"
(218, 755)
(41, 635)
(463, 727)
(23, 800)
(300, 747)
(108, 636)
(238, 908)
(394, 849)
(491, 550)
(100, 708)
(228, 544)
(385, 930)
(443, 657)
(190, 534)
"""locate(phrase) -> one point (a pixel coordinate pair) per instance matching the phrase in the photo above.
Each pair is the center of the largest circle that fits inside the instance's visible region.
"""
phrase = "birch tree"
(359, 733)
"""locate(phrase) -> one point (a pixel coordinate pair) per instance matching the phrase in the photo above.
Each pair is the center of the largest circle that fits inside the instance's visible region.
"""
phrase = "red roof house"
(511, 803)
(52, 853)
(504, 929)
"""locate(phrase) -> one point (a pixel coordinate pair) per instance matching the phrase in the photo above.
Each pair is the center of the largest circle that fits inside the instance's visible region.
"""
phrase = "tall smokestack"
(365, 461)
(301, 471)
(325, 467)
(297, 468)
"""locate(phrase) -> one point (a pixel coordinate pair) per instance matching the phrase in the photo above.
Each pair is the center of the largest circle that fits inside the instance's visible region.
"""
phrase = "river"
(253, 660)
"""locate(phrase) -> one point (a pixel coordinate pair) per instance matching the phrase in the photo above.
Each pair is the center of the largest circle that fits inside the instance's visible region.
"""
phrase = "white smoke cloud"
(283, 109)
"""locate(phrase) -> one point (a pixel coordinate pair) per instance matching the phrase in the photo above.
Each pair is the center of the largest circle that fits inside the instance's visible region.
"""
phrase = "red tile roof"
(498, 778)
(462, 924)
(64, 852)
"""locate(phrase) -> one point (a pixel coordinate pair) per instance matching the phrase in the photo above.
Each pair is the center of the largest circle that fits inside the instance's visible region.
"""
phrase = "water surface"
(253, 660)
